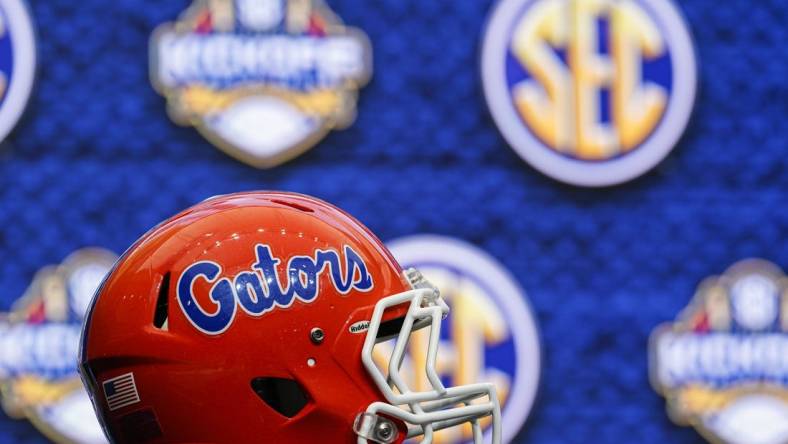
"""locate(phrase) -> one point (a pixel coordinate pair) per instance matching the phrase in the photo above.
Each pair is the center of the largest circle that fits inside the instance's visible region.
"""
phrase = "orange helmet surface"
(252, 318)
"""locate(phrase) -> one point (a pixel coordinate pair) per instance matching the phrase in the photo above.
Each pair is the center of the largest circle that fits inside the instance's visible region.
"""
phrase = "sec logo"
(492, 334)
(589, 92)
(723, 365)
(39, 340)
(264, 80)
(17, 63)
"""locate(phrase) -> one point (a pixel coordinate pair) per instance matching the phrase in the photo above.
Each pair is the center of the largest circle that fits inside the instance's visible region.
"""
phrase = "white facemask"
(424, 412)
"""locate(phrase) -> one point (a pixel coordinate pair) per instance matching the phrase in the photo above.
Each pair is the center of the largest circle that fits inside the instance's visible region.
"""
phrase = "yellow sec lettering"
(637, 107)
(561, 101)
(545, 101)
(3, 77)
(3, 84)
(590, 73)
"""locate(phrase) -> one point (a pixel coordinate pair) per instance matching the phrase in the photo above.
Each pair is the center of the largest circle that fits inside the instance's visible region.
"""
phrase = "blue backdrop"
(96, 161)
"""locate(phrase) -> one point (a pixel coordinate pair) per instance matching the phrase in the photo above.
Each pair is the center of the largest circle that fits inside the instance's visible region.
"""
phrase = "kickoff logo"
(589, 92)
(39, 341)
(260, 290)
(492, 336)
(17, 63)
(264, 80)
(723, 365)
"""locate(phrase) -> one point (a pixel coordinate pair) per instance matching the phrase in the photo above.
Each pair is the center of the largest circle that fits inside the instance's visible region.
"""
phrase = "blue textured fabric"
(96, 161)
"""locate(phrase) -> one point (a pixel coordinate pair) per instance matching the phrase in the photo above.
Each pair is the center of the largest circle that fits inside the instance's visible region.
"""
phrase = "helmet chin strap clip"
(375, 428)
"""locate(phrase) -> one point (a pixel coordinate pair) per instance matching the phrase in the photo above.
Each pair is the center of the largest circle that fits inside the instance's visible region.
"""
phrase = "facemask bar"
(428, 411)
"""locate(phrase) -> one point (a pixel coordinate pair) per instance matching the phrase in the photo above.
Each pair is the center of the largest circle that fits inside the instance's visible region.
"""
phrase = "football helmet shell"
(244, 319)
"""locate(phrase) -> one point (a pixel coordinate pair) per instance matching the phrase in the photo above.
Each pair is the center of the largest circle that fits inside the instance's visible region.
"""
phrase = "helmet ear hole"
(161, 315)
(286, 396)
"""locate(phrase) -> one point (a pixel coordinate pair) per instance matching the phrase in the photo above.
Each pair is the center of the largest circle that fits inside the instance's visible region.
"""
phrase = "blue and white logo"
(259, 290)
(491, 336)
(723, 364)
(17, 63)
(39, 340)
(589, 92)
(264, 80)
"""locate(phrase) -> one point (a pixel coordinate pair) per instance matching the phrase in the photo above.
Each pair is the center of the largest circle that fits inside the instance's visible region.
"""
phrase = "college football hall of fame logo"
(17, 63)
(264, 80)
(723, 365)
(589, 92)
(39, 342)
(491, 335)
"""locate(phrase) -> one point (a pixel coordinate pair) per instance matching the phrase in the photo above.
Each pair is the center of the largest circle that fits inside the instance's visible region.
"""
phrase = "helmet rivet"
(384, 431)
(317, 335)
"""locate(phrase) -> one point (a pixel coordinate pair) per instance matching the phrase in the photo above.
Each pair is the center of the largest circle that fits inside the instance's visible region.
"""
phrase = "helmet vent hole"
(389, 329)
(161, 314)
(293, 205)
(283, 395)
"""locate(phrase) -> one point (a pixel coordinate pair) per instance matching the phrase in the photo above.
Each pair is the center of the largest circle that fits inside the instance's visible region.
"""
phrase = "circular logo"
(491, 334)
(17, 63)
(589, 92)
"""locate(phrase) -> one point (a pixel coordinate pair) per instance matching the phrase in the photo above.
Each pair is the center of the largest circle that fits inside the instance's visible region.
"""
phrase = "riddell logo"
(359, 327)
(723, 365)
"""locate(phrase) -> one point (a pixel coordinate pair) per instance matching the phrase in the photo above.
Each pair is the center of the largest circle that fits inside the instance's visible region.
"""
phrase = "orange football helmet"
(252, 317)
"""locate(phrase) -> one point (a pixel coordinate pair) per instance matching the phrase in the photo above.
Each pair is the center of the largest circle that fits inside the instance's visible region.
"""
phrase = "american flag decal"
(121, 391)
